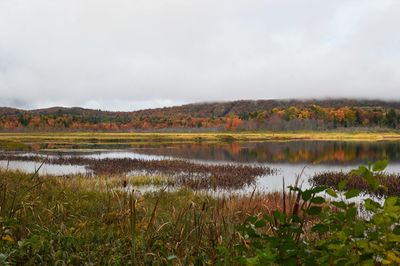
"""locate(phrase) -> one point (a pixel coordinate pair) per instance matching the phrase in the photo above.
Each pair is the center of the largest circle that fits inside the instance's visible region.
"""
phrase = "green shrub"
(314, 231)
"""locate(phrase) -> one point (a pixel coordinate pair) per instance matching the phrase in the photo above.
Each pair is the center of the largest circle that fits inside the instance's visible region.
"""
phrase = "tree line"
(307, 117)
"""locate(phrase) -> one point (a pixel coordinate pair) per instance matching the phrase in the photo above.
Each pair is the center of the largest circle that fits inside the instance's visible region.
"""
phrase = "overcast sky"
(132, 54)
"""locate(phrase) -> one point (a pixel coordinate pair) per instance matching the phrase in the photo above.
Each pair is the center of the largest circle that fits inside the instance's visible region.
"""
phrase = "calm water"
(288, 157)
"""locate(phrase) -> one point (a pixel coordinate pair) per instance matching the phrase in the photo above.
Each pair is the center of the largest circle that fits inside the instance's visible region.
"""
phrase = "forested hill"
(234, 115)
(220, 109)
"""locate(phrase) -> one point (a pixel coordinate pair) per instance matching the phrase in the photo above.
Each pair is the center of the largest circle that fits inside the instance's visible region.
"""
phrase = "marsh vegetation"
(182, 173)
(78, 221)
(129, 208)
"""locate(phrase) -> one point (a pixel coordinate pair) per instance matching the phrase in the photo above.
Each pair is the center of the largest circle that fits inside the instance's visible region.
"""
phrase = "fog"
(128, 55)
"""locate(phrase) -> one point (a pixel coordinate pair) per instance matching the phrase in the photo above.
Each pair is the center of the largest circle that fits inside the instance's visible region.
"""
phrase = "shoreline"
(200, 137)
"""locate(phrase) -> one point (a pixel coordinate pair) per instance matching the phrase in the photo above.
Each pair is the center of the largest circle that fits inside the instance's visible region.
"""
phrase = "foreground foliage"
(81, 221)
(316, 232)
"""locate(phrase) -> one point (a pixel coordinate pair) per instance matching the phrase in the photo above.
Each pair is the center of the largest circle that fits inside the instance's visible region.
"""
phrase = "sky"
(134, 54)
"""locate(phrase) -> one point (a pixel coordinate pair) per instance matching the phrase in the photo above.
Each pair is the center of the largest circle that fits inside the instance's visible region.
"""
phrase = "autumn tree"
(232, 122)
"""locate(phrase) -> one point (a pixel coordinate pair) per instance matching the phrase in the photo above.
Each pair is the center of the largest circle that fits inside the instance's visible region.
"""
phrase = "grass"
(145, 180)
(13, 145)
(76, 221)
(131, 138)
(58, 141)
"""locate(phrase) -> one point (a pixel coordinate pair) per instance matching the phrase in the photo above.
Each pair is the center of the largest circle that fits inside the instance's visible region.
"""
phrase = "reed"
(132, 208)
(78, 220)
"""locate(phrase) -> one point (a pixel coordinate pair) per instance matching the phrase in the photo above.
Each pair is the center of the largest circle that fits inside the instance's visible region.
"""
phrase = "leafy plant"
(320, 232)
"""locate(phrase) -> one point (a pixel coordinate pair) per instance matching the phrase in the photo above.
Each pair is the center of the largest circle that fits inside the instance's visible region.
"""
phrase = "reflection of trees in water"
(293, 152)
(71, 146)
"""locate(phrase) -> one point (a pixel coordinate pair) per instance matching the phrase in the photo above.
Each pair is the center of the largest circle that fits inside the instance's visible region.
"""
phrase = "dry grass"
(85, 137)
(75, 220)
(390, 182)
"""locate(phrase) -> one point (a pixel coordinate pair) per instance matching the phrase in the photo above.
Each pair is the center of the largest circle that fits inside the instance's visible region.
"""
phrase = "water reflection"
(288, 157)
(326, 152)
(294, 152)
(45, 169)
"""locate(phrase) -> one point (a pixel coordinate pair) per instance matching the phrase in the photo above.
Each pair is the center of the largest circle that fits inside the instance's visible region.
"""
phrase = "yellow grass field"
(81, 137)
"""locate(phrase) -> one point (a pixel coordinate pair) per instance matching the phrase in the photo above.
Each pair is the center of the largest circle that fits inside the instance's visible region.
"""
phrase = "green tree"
(391, 118)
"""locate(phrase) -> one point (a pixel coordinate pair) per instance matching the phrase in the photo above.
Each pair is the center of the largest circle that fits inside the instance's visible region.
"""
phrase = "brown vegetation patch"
(186, 173)
(389, 182)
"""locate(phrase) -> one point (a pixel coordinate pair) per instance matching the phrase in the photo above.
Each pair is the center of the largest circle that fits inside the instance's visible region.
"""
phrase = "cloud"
(134, 54)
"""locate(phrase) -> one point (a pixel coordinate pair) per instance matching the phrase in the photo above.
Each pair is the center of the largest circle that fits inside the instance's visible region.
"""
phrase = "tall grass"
(77, 220)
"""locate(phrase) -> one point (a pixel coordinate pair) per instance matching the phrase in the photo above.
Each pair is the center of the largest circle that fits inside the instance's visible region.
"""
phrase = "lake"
(289, 158)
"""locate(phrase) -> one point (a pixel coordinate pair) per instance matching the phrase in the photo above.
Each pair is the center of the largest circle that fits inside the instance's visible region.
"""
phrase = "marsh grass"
(75, 220)
(13, 145)
(150, 180)
(149, 138)
(390, 182)
(185, 173)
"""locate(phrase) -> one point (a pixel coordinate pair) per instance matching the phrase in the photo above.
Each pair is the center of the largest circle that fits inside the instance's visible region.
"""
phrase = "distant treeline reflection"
(290, 152)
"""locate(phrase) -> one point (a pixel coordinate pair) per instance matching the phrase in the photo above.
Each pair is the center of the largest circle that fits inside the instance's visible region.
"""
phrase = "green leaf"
(351, 211)
(392, 206)
(396, 230)
(371, 205)
(251, 232)
(318, 200)
(393, 238)
(362, 170)
(297, 189)
(380, 165)
(279, 216)
(318, 189)
(320, 228)
(331, 192)
(372, 181)
(306, 195)
(391, 201)
(339, 204)
(352, 193)
(260, 223)
(359, 229)
(268, 218)
(314, 210)
(369, 166)
(342, 185)
(252, 219)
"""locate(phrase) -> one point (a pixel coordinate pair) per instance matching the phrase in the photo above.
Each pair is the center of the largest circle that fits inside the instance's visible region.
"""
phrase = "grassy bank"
(226, 136)
(21, 141)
